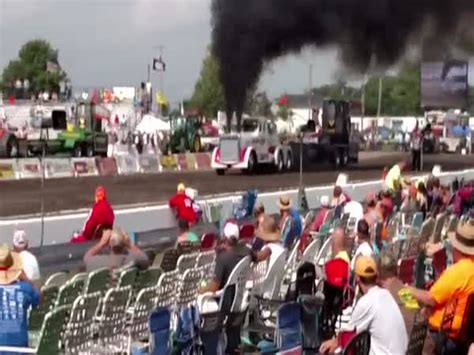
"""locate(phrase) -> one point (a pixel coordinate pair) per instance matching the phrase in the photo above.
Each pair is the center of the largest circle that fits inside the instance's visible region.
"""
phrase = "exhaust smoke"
(368, 33)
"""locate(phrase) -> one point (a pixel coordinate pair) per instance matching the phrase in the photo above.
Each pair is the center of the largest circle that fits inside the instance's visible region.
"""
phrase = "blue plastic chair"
(160, 331)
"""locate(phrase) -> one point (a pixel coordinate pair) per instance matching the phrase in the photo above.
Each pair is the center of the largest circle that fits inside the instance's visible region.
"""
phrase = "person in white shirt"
(29, 261)
(375, 312)
(364, 248)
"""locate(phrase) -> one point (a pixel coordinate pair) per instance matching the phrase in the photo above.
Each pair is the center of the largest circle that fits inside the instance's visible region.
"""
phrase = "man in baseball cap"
(29, 261)
(232, 251)
(377, 312)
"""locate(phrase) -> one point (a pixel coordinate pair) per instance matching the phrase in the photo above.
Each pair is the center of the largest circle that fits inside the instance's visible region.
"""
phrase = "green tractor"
(83, 135)
(185, 135)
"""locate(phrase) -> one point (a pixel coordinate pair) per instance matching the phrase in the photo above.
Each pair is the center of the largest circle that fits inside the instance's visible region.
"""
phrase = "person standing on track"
(100, 218)
(183, 205)
(416, 145)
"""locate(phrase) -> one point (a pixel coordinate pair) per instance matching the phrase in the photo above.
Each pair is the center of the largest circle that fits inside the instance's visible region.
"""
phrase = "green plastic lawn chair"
(69, 292)
(97, 281)
(145, 279)
(49, 294)
(50, 338)
(127, 277)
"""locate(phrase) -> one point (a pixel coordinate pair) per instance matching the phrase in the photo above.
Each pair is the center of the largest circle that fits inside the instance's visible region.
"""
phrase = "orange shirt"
(457, 281)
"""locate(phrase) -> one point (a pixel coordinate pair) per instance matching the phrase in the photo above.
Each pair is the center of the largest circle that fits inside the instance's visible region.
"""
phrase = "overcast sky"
(110, 42)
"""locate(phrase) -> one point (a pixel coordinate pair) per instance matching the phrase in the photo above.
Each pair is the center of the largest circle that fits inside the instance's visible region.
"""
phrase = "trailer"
(328, 138)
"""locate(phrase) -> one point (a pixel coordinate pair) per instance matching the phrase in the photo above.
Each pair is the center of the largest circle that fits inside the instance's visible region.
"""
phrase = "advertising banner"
(8, 169)
(29, 168)
(182, 162)
(149, 163)
(168, 163)
(84, 167)
(203, 161)
(58, 168)
(107, 166)
(127, 164)
(191, 161)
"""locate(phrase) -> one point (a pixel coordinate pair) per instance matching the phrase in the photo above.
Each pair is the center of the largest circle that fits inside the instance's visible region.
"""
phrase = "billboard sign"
(444, 85)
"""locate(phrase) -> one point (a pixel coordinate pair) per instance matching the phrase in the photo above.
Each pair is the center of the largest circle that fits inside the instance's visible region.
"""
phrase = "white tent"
(152, 124)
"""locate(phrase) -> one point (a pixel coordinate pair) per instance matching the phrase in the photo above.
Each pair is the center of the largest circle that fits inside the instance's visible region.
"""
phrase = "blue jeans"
(451, 348)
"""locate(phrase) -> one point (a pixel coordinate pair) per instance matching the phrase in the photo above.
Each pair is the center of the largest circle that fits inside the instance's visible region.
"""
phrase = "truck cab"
(257, 144)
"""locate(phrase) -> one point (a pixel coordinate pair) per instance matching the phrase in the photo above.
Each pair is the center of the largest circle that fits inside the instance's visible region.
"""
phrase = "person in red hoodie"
(183, 206)
(101, 217)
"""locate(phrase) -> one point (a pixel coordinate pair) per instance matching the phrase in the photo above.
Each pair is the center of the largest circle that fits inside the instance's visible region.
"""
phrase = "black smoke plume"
(369, 34)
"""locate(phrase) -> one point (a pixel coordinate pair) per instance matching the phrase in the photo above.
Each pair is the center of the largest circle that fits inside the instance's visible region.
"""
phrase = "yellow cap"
(181, 187)
(365, 266)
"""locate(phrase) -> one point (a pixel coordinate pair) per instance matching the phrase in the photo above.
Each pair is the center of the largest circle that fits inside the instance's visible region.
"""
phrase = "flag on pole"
(161, 99)
(159, 64)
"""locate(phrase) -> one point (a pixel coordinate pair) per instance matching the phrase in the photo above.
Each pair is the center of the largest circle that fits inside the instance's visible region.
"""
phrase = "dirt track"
(24, 197)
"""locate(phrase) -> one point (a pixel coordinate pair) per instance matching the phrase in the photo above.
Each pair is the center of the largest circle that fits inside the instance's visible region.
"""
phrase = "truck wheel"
(280, 164)
(220, 172)
(289, 162)
(252, 164)
(13, 147)
(77, 151)
(89, 151)
(336, 159)
(343, 157)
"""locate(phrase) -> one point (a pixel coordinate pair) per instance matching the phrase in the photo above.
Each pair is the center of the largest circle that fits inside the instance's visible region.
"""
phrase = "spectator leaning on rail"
(394, 178)
(28, 260)
(376, 312)
(100, 218)
(455, 283)
(122, 252)
(183, 205)
(17, 296)
(185, 235)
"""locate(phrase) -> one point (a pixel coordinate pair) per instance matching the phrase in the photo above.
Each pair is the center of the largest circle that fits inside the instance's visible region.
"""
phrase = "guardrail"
(59, 227)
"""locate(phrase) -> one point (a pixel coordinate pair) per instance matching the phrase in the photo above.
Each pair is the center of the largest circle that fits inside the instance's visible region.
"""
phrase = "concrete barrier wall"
(58, 228)
(122, 164)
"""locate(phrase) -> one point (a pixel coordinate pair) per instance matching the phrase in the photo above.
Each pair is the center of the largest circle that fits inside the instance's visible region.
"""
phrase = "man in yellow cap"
(375, 312)
(182, 204)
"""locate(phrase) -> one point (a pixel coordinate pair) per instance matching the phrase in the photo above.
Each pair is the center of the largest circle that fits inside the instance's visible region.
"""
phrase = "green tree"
(259, 105)
(32, 64)
(208, 96)
(400, 93)
(284, 112)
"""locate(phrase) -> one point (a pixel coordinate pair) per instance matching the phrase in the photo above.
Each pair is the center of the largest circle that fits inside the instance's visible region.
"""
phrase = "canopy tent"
(152, 124)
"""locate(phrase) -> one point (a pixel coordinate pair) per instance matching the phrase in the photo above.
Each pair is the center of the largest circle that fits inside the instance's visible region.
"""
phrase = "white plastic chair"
(78, 336)
(113, 320)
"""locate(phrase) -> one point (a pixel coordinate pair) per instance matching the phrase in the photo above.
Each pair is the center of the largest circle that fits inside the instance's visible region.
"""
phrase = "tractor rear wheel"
(77, 151)
(13, 147)
(196, 147)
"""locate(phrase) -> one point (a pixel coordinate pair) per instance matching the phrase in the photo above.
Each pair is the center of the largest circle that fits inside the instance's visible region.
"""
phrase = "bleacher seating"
(104, 312)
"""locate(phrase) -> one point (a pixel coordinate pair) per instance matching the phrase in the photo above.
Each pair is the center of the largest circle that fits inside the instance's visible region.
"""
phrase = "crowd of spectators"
(379, 309)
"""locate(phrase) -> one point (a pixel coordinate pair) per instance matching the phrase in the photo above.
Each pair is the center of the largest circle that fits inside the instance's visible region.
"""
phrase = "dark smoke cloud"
(369, 33)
